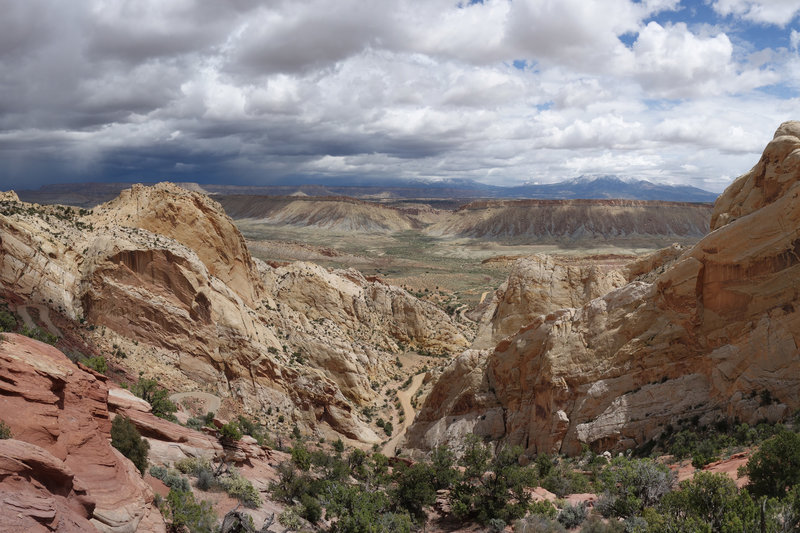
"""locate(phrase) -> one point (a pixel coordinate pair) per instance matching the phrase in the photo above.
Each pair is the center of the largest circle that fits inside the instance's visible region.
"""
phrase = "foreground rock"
(710, 337)
(66, 471)
(38, 492)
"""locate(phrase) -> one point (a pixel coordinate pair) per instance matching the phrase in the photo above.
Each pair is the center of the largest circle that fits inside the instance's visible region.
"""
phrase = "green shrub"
(538, 524)
(170, 478)
(775, 467)
(193, 465)
(156, 395)
(8, 320)
(596, 525)
(543, 508)
(39, 334)
(312, 510)
(338, 445)
(443, 464)
(126, 438)
(182, 512)
(300, 456)
(290, 519)
(414, 489)
(544, 463)
(496, 525)
(563, 480)
(5, 431)
(708, 502)
(388, 428)
(291, 485)
(491, 487)
(241, 488)
(705, 452)
(633, 484)
(195, 423)
(572, 515)
(98, 364)
(358, 510)
(230, 431)
(158, 472)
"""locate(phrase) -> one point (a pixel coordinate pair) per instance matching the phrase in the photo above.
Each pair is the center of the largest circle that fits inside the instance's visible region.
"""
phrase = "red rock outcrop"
(60, 411)
(703, 340)
(39, 493)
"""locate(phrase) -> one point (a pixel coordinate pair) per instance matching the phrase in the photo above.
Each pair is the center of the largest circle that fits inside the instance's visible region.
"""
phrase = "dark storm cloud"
(249, 90)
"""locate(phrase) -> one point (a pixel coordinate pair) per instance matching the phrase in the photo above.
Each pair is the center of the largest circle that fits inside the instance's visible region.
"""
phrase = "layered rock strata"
(60, 471)
(705, 340)
(166, 267)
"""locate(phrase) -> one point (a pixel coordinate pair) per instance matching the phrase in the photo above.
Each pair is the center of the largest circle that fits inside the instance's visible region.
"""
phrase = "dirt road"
(408, 411)
(211, 402)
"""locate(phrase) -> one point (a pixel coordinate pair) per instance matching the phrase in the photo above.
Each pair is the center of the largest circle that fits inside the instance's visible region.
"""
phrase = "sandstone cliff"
(193, 220)
(704, 339)
(167, 268)
(538, 285)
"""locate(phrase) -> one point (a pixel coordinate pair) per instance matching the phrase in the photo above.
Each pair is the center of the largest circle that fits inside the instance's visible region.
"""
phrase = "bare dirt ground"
(409, 413)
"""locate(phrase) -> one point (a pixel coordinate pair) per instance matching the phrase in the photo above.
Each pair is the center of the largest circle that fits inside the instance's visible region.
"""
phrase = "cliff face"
(702, 340)
(566, 220)
(193, 220)
(538, 285)
(166, 267)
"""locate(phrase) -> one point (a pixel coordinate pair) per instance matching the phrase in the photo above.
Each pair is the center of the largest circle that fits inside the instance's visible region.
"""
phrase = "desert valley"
(176, 358)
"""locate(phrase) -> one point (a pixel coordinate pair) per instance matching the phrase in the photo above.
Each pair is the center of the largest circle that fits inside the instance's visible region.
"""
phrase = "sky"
(500, 91)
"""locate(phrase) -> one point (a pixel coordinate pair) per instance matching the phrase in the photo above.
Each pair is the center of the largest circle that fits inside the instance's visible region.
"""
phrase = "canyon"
(570, 350)
(698, 341)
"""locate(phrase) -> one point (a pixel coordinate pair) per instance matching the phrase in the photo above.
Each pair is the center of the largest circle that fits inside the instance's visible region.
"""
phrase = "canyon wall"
(703, 341)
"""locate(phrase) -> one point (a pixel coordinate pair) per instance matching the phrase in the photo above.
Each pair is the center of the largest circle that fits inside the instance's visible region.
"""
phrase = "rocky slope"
(203, 313)
(707, 339)
(565, 220)
(542, 284)
(59, 472)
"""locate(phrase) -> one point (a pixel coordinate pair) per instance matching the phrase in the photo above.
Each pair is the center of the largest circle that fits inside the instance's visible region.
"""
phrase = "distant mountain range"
(602, 187)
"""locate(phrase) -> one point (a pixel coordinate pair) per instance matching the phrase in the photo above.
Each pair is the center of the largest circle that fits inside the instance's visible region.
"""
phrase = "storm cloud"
(251, 92)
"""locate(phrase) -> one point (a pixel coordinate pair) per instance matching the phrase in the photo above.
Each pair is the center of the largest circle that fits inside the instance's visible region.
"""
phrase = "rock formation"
(336, 213)
(573, 220)
(59, 471)
(706, 340)
(193, 220)
(538, 285)
(166, 267)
